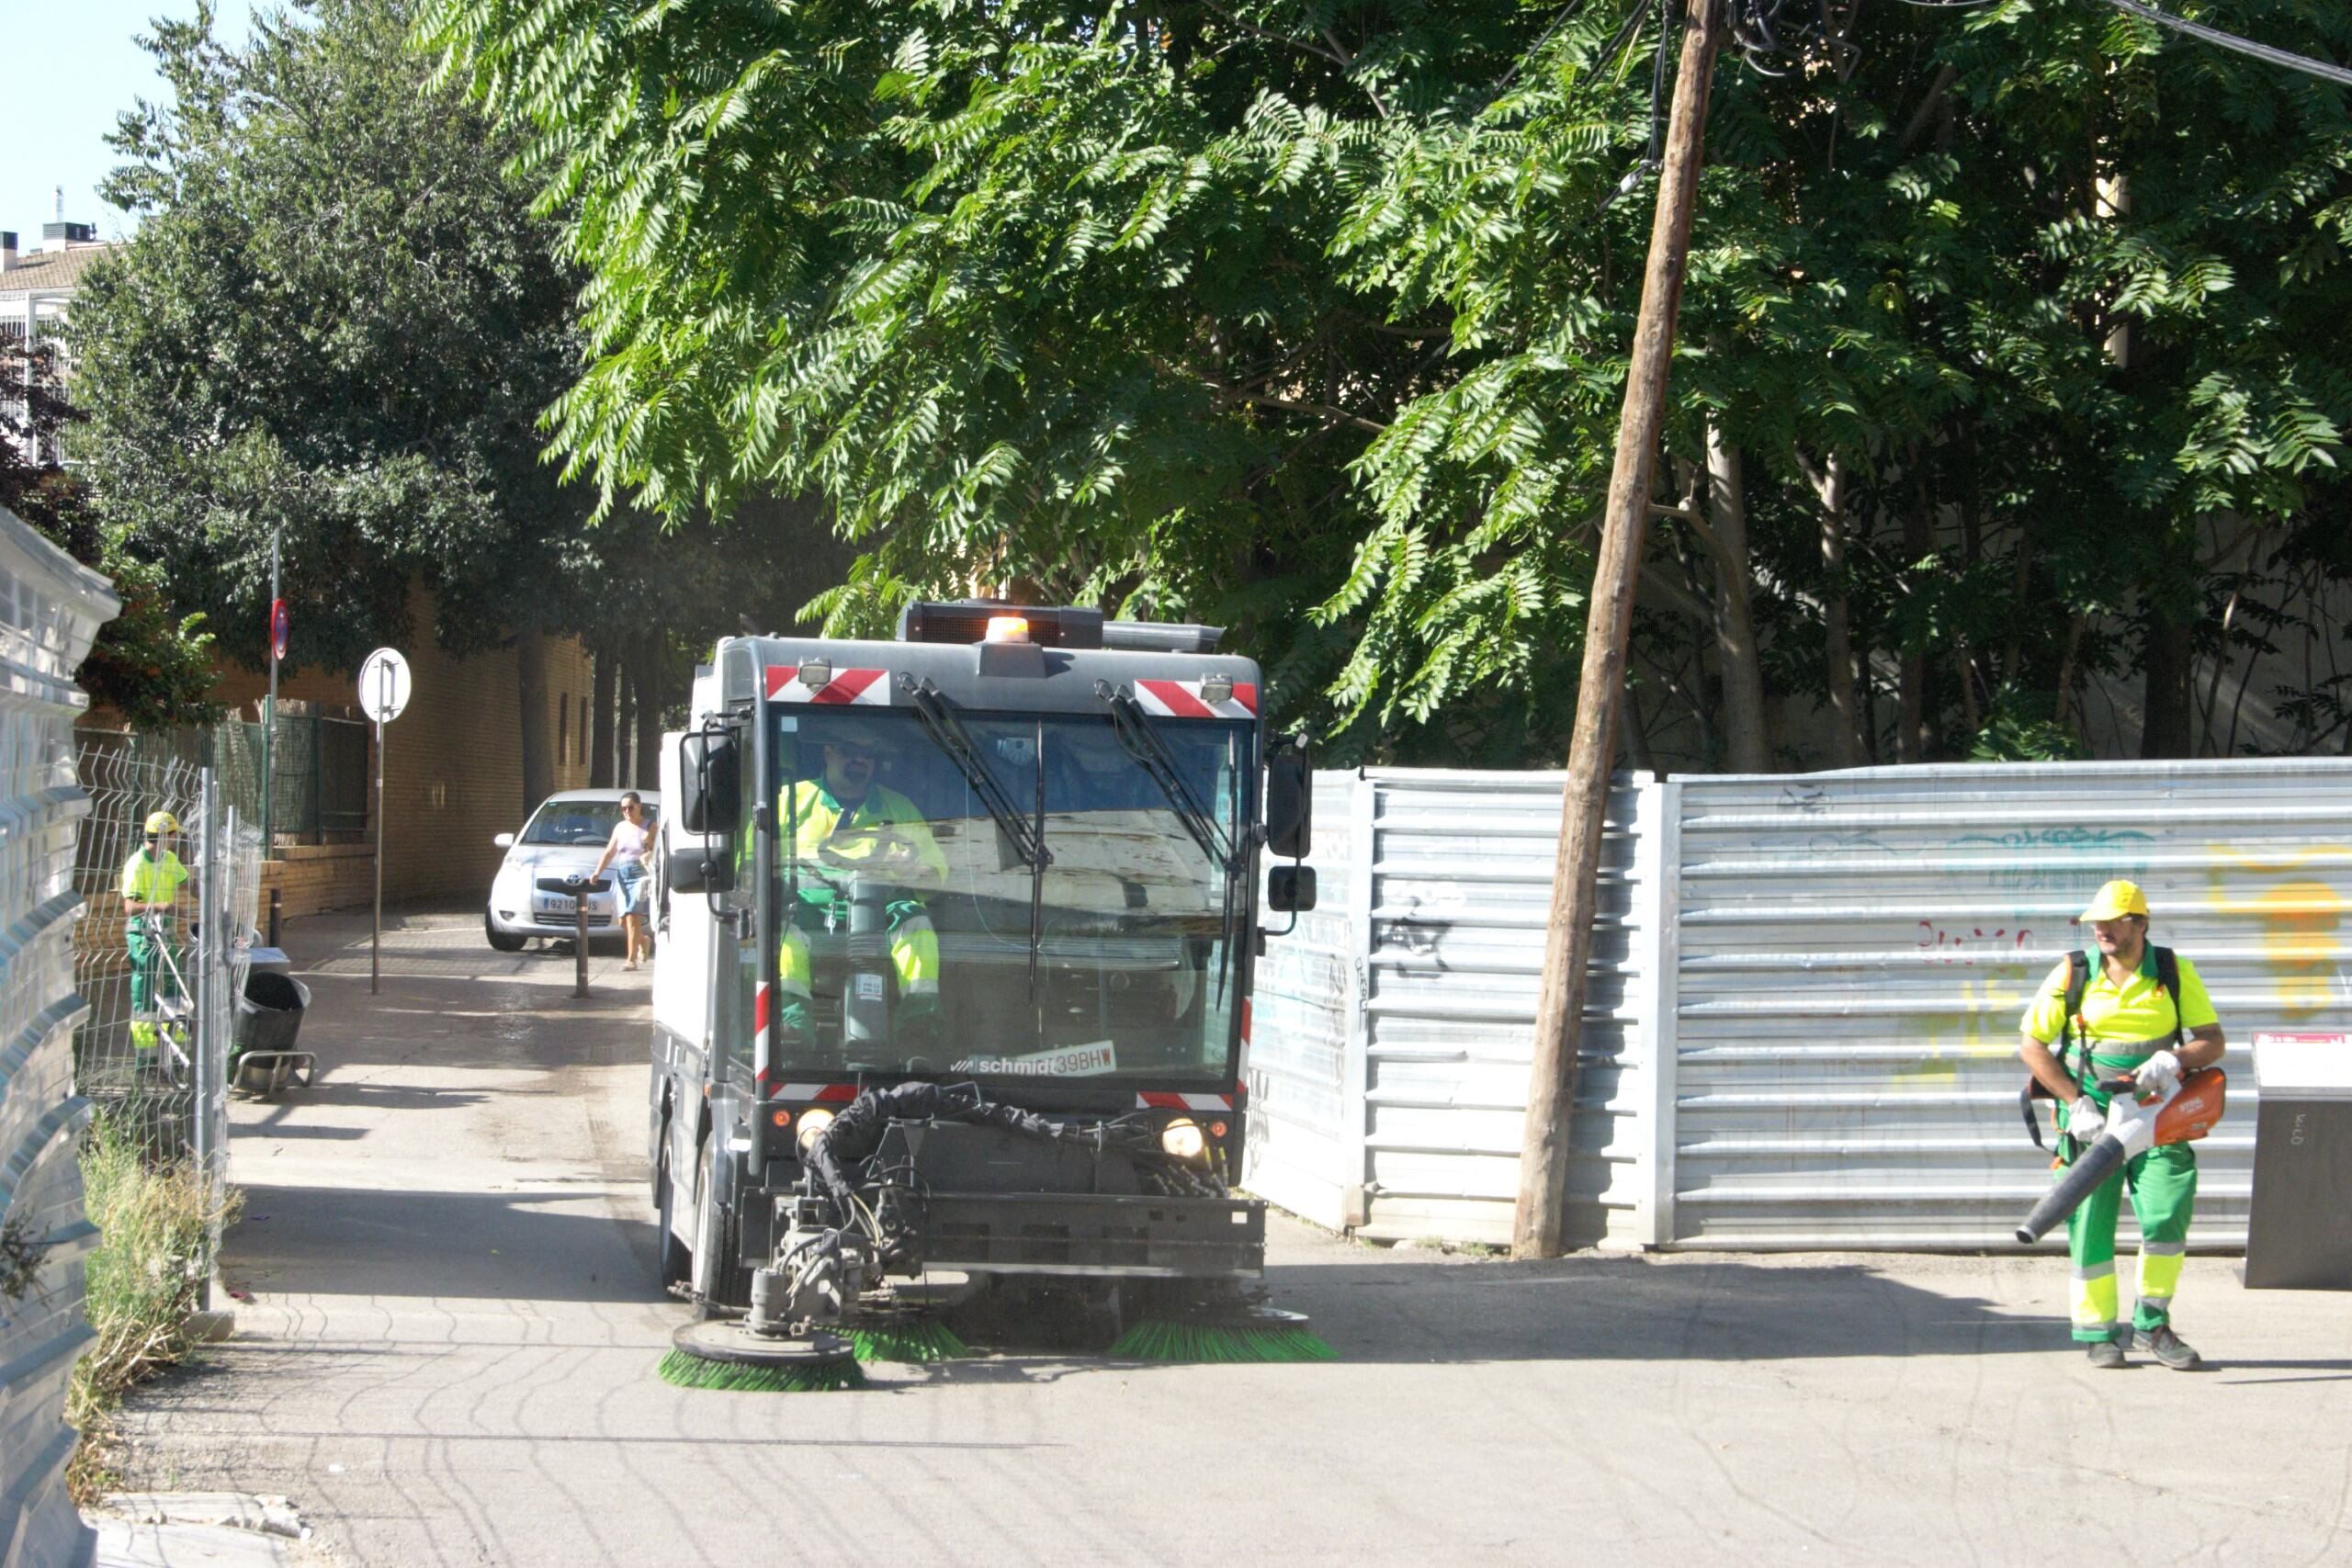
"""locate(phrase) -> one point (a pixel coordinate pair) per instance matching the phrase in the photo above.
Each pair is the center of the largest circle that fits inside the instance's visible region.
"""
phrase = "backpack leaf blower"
(2186, 1113)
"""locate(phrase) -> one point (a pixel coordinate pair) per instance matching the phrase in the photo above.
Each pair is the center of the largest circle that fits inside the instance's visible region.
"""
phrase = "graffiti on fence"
(2299, 916)
(2062, 859)
(1966, 947)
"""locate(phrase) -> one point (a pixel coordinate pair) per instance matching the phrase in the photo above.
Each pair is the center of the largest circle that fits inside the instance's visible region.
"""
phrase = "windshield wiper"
(947, 732)
(1026, 834)
(1140, 737)
(1141, 740)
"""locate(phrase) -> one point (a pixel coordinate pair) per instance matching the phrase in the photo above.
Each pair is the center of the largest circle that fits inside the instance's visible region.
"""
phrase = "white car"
(564, 836)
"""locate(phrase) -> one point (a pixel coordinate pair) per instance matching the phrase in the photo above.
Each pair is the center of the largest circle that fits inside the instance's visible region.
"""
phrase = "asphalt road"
(448, 1357)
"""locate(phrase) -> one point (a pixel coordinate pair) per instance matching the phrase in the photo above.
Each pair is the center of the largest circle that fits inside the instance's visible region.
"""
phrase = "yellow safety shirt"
(149, 878)
(2136, 1012)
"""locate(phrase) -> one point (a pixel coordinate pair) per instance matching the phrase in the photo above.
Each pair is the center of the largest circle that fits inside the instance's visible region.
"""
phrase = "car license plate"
(551, 905)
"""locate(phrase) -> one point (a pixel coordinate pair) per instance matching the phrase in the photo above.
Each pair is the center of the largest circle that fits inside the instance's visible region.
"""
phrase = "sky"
(73, 66)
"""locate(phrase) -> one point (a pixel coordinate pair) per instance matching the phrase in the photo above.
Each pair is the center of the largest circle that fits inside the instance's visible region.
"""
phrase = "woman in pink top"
(625, 852)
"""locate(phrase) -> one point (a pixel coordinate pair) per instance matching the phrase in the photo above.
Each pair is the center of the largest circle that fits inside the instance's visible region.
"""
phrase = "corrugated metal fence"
(49, 609)
(1804, 1014)
(1393, 1032)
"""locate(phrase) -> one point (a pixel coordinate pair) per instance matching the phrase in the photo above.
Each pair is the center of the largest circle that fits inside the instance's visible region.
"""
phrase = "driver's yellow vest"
(824, 829)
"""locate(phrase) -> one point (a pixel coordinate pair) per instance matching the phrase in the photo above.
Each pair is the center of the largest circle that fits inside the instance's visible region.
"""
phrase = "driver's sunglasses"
(855, 750)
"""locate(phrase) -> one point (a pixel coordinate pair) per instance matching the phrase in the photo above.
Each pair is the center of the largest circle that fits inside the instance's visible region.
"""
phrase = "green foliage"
(144, 1282)
(337, 320)
(2022, 729)
(150, 663)
(1314, 321)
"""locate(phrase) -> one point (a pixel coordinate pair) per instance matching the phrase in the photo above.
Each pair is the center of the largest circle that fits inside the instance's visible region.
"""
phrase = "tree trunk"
(649, 698)
(1747, 745)
(2167, 728)
(539, 765)
(624, 738)
(2064, 712)
(600, 727)
(1911, 698)
(1838, 653)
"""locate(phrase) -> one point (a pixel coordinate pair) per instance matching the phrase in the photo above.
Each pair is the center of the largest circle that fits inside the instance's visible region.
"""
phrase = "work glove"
(2158, 1076)
(2086, 1121)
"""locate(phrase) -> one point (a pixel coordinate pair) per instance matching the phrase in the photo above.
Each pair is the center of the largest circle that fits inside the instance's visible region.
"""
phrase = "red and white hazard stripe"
(1183, 699)
(1157, 1100)
(821, 1093)
(760, 1026)
(848, 688)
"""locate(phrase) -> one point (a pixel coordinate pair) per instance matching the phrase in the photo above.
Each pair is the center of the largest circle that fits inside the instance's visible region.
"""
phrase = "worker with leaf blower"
(2124, 1014)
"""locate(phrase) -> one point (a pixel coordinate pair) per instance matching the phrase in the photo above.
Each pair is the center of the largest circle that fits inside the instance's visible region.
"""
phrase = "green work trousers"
(2163, 1183)
(151, 980)
(914, 958)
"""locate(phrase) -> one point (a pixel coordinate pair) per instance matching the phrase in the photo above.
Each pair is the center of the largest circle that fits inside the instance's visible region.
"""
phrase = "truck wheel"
(677, 1260)
(498, 940)
(717, 1243)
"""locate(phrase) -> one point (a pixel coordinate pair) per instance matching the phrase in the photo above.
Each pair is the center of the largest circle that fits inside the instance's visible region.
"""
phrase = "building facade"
(36, 290)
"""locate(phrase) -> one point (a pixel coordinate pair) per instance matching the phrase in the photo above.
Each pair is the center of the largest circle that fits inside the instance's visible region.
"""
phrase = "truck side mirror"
(698, 870)
(710, 780)
(1290, 889)
(1290, 801)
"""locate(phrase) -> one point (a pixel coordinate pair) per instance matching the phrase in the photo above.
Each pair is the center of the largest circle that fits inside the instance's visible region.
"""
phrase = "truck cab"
(1014, 855)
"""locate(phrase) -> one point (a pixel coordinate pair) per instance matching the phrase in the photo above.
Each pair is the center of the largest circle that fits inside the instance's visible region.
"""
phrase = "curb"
(200, 1530)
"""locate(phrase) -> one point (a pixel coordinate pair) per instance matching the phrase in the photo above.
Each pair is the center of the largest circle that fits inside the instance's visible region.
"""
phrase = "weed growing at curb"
(145, 1282)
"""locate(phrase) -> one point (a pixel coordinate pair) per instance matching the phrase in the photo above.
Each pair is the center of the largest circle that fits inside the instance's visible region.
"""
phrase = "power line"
(2215, 36)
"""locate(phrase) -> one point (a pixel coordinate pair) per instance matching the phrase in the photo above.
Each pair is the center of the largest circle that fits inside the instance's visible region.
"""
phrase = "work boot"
(2106, 1355)
(2166, 1346)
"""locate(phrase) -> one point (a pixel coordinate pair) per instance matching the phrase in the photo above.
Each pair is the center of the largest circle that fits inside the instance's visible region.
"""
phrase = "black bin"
(269, 1015)
(2299, 1232)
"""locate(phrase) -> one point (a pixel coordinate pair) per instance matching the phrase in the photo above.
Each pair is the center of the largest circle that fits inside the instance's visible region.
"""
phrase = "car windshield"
(917, 936)
(572, 822)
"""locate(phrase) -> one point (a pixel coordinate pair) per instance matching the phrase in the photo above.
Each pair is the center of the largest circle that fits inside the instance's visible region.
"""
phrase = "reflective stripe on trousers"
(2163, 1185)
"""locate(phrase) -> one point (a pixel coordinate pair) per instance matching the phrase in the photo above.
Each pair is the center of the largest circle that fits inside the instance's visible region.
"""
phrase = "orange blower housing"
(2196, 1110)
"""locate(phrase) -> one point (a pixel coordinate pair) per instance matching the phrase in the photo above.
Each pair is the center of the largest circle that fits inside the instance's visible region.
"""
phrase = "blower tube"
(2094, 1165)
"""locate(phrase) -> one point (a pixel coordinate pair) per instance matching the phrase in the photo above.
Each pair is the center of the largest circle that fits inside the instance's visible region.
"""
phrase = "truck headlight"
(811, 1124)
(1182, 1139)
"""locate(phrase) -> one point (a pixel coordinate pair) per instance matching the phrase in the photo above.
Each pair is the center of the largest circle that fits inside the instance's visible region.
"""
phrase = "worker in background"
(150, 887)
(845, 825)
(2125, 1020)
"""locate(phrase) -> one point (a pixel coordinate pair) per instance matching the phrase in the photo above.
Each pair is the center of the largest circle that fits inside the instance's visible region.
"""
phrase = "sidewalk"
(449, 1352)
(202, 1530)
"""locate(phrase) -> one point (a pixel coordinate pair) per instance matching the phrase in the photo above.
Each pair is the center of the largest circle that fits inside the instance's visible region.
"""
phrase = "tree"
(150, 665)
(337, 320)
(1314, 319)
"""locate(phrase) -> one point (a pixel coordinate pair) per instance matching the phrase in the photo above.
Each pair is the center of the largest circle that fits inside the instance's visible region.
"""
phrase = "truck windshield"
(916, 936)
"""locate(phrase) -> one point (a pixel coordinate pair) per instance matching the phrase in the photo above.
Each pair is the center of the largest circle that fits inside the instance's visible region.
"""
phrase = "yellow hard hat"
(161, 822)
(2116, 900)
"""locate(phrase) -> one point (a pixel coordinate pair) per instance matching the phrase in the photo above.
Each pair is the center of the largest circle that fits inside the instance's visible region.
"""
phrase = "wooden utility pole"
(1559, 1008)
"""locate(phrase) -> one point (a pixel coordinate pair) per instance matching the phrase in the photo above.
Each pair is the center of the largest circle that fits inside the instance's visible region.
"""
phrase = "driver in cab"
(843, 827)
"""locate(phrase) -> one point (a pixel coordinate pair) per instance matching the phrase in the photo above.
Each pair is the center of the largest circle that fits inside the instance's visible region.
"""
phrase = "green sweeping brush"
(1257, 1335)
(908, 1339)
(687, 1370)
(725, 1355)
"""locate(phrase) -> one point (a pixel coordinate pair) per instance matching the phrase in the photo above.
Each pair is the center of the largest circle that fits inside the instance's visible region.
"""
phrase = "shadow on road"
(1629, 1309)
(487, 1245)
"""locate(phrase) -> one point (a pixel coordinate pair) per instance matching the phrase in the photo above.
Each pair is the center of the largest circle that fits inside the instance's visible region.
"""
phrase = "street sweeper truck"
(957, 933)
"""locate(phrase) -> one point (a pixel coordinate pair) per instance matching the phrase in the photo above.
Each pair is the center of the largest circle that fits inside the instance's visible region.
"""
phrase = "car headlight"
(1182, 1139)
(811, 1124)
